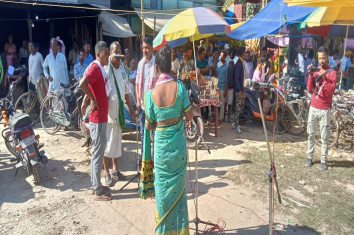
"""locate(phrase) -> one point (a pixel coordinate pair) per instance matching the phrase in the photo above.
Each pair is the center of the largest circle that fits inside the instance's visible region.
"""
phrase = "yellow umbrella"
(331, 15)
(320, 3)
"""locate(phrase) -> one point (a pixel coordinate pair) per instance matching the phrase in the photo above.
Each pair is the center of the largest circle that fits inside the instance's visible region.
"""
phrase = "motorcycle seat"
(65, 85)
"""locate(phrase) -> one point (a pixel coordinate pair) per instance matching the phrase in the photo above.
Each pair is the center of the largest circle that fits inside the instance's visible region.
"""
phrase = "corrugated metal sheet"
(97, 3)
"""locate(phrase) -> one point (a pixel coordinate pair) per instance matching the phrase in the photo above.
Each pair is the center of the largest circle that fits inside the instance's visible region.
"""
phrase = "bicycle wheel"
(28, 103)
(299, 126)
(333, 136)
(49, 105)
(278, 117)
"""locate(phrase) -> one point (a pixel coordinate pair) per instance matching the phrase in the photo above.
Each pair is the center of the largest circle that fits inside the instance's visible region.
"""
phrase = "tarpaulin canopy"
(162, 17)
(115, 26)
(268, 21)
(320, 3)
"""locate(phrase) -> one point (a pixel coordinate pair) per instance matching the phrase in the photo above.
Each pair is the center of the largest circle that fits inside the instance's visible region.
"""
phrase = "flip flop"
(104, 188)
(115, 175)
(103, 196)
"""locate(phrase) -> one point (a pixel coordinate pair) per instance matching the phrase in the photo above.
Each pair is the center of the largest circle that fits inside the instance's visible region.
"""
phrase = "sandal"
(115, 175)
(104, 188)
(103, 196)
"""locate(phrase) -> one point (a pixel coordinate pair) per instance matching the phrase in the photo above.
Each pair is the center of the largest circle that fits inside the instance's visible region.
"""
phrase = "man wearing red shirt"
(96, 85)
(322, 84)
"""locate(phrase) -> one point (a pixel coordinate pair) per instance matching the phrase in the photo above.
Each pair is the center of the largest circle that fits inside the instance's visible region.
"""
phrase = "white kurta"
(114, 131)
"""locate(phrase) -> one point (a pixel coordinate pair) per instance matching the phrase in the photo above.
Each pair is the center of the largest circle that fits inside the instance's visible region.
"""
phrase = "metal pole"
(29, 22)
(345, 48)
(195, 61)
(142, 20)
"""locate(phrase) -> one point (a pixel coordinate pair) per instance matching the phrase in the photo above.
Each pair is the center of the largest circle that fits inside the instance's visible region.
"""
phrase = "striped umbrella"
(193, 24)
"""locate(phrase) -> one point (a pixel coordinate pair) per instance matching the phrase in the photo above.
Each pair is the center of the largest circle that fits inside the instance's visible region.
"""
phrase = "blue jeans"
(142, 126)
(99, 141)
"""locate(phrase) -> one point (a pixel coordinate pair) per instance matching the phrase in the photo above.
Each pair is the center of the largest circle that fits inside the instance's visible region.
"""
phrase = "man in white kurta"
(55, 67)
(118, 74)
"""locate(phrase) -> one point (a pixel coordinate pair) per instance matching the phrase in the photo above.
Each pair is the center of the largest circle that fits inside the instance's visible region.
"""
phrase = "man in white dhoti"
(118, 75)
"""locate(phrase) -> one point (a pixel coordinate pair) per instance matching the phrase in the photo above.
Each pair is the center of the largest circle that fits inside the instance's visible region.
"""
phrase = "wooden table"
(216, 103)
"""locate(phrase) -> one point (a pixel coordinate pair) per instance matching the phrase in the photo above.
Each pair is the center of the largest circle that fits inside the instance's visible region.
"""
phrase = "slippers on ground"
(115, 175)
(103, 196)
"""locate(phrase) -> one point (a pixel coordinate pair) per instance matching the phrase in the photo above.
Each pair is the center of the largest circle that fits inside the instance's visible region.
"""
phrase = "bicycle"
(54, 108)
(30, 102)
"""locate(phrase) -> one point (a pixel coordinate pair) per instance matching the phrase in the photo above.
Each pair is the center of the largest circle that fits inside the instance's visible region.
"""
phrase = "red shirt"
(323, 98)
(97, 87)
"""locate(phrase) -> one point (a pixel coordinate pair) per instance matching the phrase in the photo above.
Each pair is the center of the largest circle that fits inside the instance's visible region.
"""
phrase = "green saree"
(170, 160)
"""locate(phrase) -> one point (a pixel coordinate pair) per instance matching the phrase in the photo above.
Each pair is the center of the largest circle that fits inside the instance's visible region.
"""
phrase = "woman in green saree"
(165, 107)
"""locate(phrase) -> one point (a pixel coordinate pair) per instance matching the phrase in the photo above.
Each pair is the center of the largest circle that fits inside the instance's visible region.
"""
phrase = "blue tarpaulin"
(269, 20)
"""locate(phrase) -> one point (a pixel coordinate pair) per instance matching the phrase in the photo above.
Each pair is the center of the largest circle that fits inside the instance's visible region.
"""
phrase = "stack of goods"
(343, 103)
(209, 88)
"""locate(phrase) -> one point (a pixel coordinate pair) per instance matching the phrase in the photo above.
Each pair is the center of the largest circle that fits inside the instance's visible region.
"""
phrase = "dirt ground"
(62, 204)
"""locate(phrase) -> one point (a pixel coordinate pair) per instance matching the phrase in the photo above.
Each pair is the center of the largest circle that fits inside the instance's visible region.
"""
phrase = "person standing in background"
(55, 67)
(73, 55)
(24, 53)
(266, 66)
(146, 79)
(80, 67)
(285, 64)
(187, 63)
(239, 76)
(222, 74)
(175, 63)
(248, 66)
(132, 77)
(88, 57)
(213, 61)
(35, 68)
(127, 57)
(10, 51)
(300, 62)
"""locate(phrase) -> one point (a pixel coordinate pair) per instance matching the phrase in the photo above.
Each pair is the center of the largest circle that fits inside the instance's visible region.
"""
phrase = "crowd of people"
(112, 78)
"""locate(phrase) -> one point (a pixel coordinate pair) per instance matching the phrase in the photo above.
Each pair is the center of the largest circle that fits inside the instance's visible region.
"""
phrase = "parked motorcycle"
(195, 128)
(20, 138)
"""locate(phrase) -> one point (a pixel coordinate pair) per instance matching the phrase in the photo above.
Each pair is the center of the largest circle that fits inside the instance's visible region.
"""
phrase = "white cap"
(227, 46)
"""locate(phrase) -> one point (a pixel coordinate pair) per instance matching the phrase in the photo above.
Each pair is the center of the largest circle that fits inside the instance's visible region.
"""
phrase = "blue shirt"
(56, 68)
(79, 70)
(222, 72)
(88, 59)
(202, 65)
(347, 64)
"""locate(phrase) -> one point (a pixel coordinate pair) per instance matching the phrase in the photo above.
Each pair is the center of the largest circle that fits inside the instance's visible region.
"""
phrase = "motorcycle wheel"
(48, 105)
(28, 103)
(191, 134)
(9, 142)
(283, 118)
(333, 136)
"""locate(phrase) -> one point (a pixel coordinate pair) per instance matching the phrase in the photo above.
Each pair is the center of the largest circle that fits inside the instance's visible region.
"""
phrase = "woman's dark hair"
(148, 40)
(311, 54)
(163, 59)
(200, 51)
(215, 49)
(323, 49)
(81, 50)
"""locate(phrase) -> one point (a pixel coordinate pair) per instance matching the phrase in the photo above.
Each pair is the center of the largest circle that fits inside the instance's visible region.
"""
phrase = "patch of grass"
(332, 204)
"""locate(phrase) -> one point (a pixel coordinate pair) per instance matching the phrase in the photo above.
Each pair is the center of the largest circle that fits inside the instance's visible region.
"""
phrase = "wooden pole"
(29, 25)
(142, 20)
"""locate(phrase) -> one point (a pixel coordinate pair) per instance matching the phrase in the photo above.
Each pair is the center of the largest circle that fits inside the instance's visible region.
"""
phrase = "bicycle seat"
(65, 85)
